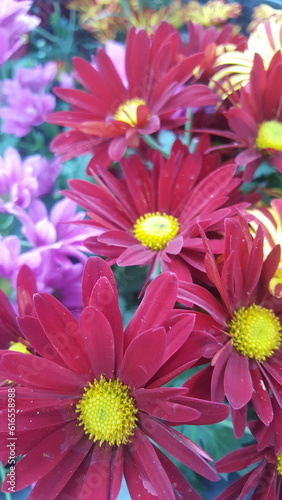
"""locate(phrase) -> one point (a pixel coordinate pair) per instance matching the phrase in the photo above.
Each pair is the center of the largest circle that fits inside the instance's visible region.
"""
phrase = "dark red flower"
(255, 120)
(264, 482)
(152, 216)
(111, 115)
(90, 409)
(26, 287)
(247, 322)
(212, 41)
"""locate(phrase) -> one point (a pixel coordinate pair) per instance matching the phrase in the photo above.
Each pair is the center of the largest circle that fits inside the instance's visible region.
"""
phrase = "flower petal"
(35, 372)
(46, 455)
(156, 305)
(238, 384)
(98, 338)
(143, 358)
(61, 328)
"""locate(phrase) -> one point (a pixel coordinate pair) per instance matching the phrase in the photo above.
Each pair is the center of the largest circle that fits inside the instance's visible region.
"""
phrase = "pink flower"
(15, 22)
(26, 101)
(23, 180)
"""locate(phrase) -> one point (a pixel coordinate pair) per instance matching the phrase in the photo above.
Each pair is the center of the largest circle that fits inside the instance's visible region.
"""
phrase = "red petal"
(143, 453)
(105, 300)
(159, 403)
(98, 338)
(177, 447)
(61, 328)
(26, 288)
(260, 398)
(46, 455)
(94, 269)
(35, 372)
(52, 483)
(156, 305)
(143, 358)
(238, 384)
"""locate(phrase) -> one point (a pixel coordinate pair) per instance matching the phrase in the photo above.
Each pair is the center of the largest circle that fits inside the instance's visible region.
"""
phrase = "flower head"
(154, 216)
(262, 13)
(112, 115)
(213, 13)
(15, 22)
(264, 480)
(270, 218)
(23, 180)
(235, 68)
(255, 119)
(25, 99)
(247, 322)
(57, 252)
(93, 402)
(212, 41)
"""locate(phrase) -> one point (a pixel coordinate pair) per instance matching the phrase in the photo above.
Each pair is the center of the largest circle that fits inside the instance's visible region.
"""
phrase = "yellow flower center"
(255, 332)
(107, 412)
(279, 463)
(270, 135)
(127, 112)
(18, 347)
(155, 230)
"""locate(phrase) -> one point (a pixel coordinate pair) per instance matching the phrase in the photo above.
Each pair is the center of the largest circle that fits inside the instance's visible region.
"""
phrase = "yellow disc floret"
(127, 112)
(255, 332)
(18, 347)
(155, 230)
(107, 412)
(279, 463)
(270, 135)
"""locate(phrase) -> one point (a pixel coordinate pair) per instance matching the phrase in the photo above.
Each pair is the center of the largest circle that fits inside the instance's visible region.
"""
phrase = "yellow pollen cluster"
(255, 332)
(107, 412)
(270, 135)
(155, 230)
(18, 347)
(127, 112)
(279, 463)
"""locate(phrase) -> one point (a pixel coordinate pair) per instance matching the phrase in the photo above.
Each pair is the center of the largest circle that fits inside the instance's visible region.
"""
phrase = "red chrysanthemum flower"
(152, 216)
(247, 322)
(111, 115)
(212, 42)
(264, 482)
(255, 122)
(10, 334)
(91, 404)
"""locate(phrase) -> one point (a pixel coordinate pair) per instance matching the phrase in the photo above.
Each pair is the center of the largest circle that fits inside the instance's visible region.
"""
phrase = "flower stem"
(154, 145)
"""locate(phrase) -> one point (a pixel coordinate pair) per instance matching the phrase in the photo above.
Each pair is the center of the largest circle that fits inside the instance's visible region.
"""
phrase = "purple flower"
(14, 24)
(57, 253)
(25, 99)
(23, 180)
(10, 248)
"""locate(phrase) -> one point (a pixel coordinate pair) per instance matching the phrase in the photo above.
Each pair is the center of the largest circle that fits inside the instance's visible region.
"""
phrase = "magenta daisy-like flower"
(255, 122)
(264, 482)
(91, 406)
(9, 330)
(247, 322)
(111, 115)
(11, 337)
(151, 216)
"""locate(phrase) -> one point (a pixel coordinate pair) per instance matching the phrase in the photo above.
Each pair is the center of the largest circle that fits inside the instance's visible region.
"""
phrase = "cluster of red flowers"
(94, 401)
